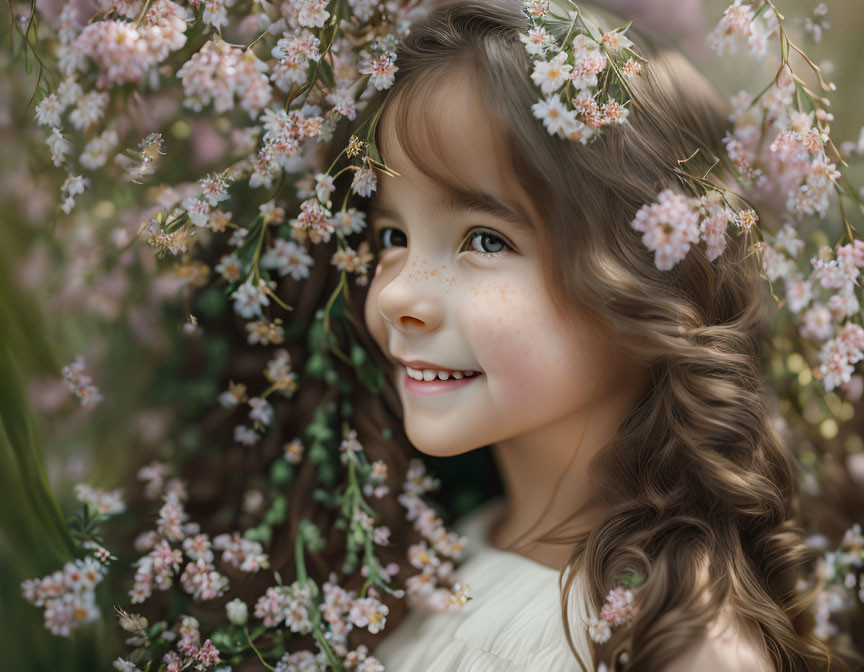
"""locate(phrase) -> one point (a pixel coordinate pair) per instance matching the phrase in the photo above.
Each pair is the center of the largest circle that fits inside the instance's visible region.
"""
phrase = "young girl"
(649, 519)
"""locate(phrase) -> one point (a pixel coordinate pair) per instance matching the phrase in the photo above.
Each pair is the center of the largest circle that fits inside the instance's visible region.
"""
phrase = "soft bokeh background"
(83, 284)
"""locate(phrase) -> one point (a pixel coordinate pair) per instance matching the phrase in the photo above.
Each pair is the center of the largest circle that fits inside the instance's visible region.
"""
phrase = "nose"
(411, 302)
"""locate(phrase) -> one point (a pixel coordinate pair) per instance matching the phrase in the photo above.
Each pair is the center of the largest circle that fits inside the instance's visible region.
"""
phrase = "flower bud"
(238, 612)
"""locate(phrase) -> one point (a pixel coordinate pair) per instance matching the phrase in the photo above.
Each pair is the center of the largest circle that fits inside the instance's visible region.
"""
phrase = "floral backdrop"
(175, 174)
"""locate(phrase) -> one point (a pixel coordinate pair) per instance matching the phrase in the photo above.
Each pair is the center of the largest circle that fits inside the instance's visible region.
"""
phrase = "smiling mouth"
(431, 375)
(435, 382)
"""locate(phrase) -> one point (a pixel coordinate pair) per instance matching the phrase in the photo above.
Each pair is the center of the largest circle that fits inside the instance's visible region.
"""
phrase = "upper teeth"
(432, 374)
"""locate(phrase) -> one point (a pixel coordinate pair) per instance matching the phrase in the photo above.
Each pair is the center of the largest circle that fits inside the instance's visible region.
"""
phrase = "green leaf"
(358, 355)
(317, 453)
(276, 514)
(371, 377)
(325, 73)
(281, 473)
(317, 365)
(262, 533)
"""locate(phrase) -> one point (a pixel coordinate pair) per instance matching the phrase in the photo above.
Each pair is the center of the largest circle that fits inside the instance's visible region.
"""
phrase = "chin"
(434, 442)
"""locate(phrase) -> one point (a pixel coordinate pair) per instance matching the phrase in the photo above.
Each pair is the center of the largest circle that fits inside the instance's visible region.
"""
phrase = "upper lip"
(422, 364)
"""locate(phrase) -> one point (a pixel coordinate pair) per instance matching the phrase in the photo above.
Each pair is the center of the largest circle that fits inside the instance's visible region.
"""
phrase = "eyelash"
(471, 236)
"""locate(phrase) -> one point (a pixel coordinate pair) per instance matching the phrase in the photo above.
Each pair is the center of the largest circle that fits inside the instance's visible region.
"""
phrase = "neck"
(547, 481)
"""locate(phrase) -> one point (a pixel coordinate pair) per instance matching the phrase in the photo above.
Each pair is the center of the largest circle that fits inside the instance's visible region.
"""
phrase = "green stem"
(332, 299)
(300, 560)
(326, 648)
(257, 652)
(259, 244)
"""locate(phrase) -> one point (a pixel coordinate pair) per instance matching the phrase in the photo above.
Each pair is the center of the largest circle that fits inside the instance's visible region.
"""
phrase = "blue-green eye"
(486, 242)
(481, 241)
(396, 237)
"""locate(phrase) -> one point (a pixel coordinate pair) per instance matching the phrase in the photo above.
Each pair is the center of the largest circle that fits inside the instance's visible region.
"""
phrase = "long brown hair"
(702, 493)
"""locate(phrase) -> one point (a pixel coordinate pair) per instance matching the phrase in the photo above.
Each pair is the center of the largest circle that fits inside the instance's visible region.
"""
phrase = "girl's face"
(459, 286)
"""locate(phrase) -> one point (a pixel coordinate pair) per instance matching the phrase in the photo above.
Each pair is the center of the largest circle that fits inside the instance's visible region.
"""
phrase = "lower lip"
(437, 386)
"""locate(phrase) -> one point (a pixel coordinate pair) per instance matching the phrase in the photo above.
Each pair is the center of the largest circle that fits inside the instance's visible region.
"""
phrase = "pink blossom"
(364, 182)
(202, 581)
(219, 73)
(669, 226)
(619, 607)
(381, 69)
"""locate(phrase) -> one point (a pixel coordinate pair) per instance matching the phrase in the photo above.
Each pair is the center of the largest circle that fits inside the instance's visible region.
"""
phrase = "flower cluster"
(104, 502)
(308, 69)
(846, 563)
(779, 147)
(81, 383)
(675, 221)
(174, 538)
(618, 610)
(188, 652)
(435, 587)
(277, 372)
(67, 595)
(220, 74)
(583, 78)
(741, 23)
(839, 574)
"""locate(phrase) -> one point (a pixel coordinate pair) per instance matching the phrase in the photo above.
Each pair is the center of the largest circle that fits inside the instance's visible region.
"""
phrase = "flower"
(81, 383)
(368, 613)
(72, 187)
(249, 298)
(88, 109)
(261, 411)
(294, 451)
(349, 221)
(364, 182)
(103, 501)
(241, 553)
(746, 219)
(381, 69)
(238, 612)
(324, 187)
(599, 630)
(669, 226)
(550, 75)
(537, 40)
(235, 394)
(584, 74)
(555, 116)
(245, 435)
(619, 607)
(219, 73)
(288, 258)
(536, 8)
(264, 332)
(631, 67)
(48, 111)
(230, 267)
(59, 146)
(67, 595)
(353, 261)
(615, 39)
(123, 665)
(312, 13)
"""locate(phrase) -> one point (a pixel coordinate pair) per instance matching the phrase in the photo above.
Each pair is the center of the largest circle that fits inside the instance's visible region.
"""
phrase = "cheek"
(529, 353)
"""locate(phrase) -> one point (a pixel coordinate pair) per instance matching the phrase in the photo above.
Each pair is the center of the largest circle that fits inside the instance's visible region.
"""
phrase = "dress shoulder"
(513, 622)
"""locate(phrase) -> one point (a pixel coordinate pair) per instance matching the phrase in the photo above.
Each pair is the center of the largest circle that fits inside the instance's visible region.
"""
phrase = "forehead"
(438, 135)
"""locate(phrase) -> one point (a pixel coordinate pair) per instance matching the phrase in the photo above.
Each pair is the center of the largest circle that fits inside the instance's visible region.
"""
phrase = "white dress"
(512, 624)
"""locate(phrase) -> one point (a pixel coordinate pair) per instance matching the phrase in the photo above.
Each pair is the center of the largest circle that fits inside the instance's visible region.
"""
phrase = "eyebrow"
(464, 201)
